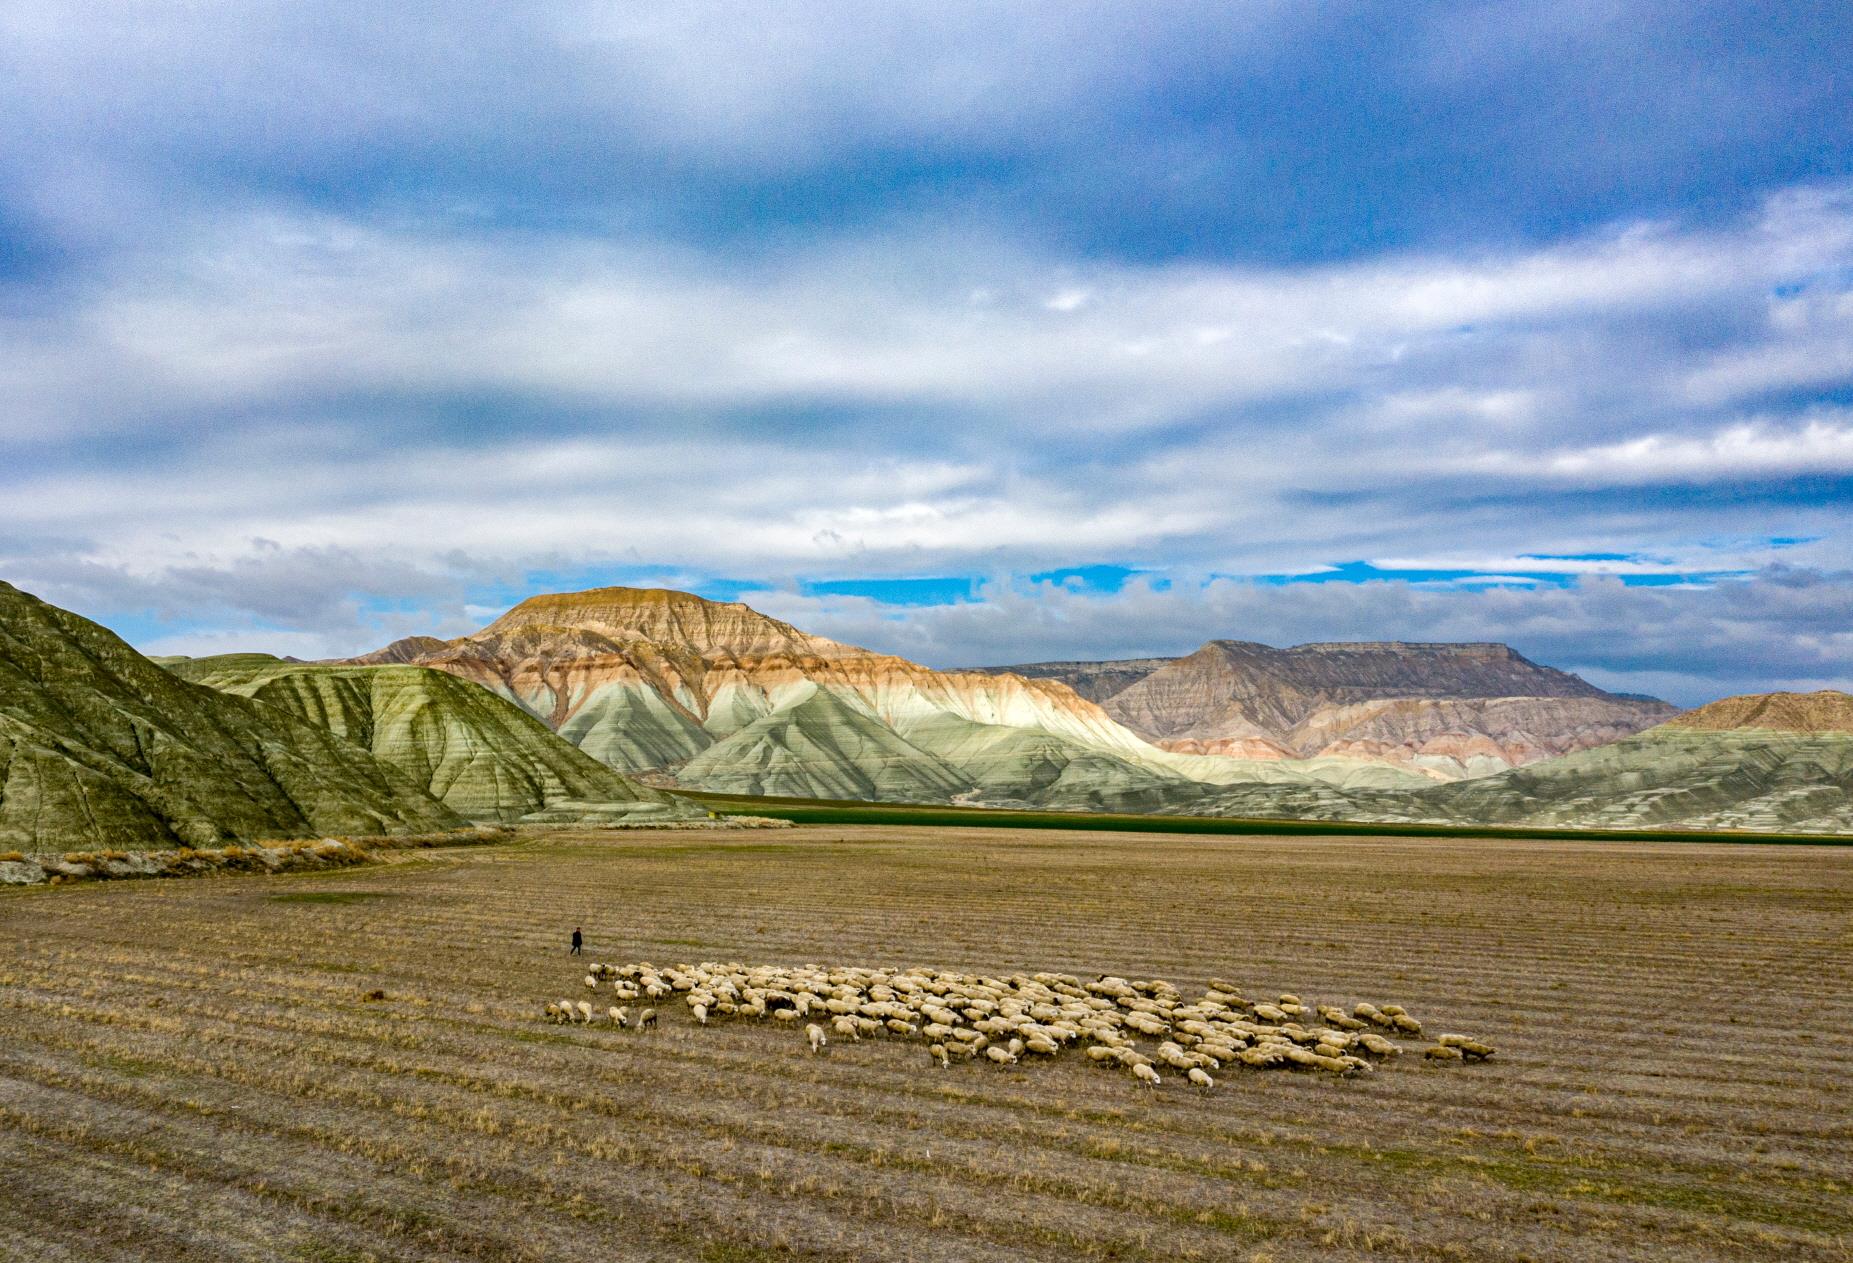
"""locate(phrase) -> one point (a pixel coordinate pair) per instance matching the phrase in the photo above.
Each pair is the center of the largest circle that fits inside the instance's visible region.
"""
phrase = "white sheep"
(1007, 1018)
(585, 1011)
(1472, 1049)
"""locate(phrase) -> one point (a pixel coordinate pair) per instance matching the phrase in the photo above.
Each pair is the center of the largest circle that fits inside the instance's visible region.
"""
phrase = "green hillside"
(99, 747)
(481, 755)
(823, 745)
(1723, 766)
(1031, 767)
(1744, 779)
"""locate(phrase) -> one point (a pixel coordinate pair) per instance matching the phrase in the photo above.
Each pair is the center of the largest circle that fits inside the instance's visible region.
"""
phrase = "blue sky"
(978, 333)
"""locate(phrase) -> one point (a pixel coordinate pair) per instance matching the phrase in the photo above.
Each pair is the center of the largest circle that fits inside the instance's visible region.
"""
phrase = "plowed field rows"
(193, 1070)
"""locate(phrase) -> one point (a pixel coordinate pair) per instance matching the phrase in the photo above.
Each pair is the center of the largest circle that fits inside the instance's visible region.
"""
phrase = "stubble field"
(192, 1069)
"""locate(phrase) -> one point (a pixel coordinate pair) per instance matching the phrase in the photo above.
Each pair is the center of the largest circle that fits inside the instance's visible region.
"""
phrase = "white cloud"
(249, 312)
(400, 397)
(1763, 447)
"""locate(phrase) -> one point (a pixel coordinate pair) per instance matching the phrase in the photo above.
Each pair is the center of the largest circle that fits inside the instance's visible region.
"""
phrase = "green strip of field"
(832, 811)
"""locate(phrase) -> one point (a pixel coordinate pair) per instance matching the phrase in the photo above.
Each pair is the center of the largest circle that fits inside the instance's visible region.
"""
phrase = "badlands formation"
(1772, 761)
(483, 757)
(100, 747)
(1779, 762)
(716, 696)
(713, 695)
(1452, 710)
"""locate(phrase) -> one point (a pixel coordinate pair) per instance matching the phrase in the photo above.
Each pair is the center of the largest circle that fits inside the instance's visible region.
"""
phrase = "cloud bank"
(320, 325)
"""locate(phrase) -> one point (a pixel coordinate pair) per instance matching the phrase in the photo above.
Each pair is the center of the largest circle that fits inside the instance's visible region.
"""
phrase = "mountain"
(720, 697)
(1096, 681)
(99, 747)
(1451, 710)
(1768, 762)
(1796, 714)
(484, 758)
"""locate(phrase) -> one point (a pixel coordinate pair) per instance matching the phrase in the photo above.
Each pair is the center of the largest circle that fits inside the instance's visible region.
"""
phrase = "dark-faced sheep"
(1471, 1049)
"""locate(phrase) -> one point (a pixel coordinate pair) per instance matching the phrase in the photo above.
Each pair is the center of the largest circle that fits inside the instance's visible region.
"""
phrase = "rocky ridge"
(721, 697)
(1449, 710)
(1799, 714)
(485, 758)
(1763, 762)
(100, 747)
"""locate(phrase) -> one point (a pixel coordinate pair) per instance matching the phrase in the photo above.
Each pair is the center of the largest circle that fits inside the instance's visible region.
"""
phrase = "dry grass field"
(192, 1069)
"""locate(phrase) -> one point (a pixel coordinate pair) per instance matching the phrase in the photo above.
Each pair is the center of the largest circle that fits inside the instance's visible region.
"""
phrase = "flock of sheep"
(1007, 1020)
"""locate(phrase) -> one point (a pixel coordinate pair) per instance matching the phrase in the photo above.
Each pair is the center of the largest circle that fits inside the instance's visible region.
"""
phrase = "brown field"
(190, 1069)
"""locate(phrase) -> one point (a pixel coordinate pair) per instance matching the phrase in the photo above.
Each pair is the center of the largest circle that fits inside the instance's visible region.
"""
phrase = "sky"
(979, 333)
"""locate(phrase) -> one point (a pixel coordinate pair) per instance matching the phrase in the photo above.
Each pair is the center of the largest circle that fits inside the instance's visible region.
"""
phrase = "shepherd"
(578, 941)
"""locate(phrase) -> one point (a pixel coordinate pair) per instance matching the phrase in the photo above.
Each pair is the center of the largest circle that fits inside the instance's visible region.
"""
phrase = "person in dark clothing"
(578, 941)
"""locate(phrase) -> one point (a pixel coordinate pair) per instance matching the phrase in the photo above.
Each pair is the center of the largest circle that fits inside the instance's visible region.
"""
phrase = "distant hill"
(1796, 713)
(1470, 709)
(1771, 762)
(1765, 761)
(482, 756)
(1096, 681)
(101, 748)
(721, 697)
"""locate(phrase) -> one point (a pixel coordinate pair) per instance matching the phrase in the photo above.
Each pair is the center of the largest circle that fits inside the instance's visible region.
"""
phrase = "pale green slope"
(1747, 778)
(1010, 766)
(483, 756)
(99, 747)
(1665, 777)
(634, 729)
(823, 748)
